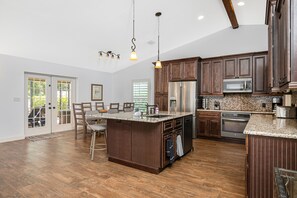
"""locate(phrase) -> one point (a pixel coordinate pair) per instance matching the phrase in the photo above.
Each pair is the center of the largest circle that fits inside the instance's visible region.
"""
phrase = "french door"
(48, 104)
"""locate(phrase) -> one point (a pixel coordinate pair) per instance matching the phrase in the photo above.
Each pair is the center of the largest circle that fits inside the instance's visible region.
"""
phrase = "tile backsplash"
(242, 102)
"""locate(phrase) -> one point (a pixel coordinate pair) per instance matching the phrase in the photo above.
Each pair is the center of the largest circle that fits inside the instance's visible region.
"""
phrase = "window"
(141, 94)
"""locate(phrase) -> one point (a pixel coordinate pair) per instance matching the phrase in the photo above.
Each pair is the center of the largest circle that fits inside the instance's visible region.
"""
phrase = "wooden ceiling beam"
(231, 13)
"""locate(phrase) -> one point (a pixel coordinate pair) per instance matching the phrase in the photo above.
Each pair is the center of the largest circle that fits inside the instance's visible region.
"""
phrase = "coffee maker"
(276, 102)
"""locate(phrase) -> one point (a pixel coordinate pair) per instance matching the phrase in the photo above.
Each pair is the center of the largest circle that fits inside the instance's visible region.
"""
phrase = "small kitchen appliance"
(285, 112)
(276, 102)
(216, 105)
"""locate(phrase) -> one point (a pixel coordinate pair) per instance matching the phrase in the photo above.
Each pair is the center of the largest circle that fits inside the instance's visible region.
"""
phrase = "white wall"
(12, 71)
(250, 38)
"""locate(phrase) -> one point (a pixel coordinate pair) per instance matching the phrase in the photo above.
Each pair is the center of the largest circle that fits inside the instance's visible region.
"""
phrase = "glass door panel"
(63, 97)
(37, 116)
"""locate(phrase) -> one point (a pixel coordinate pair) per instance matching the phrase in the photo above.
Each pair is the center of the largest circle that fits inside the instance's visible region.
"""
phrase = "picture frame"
(96, 92)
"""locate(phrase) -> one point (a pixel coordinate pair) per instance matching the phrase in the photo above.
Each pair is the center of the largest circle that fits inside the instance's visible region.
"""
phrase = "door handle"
(54, 107)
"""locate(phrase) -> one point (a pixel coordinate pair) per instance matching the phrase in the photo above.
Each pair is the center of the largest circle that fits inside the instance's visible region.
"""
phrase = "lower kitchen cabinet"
(263, 155)
(209, 124)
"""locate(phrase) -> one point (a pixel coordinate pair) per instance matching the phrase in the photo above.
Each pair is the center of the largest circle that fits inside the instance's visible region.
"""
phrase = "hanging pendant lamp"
(158, 63)
(133, 55)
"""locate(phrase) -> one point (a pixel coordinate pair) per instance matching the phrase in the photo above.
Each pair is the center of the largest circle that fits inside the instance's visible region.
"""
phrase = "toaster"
(285, 112)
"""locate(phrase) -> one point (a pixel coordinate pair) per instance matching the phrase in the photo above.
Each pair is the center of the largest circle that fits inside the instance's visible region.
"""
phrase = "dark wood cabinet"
(281, 18)
(211, 77)
(206, 88)
(190, 70)
(217, 77)
(209, 124)
(238, 67)
(184, 69)
(161, 86)
(120, 147)
(260, 74)
(176, 71)
(245, 67)
(263, 154)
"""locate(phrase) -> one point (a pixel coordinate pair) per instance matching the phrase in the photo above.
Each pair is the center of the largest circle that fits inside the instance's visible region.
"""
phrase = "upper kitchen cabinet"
(183, 70)
(281, 17)
(211, 77)
(238, 67)
(161, 79)
(260, 74)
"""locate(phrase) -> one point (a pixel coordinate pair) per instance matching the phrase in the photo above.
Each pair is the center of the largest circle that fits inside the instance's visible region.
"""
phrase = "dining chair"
(86, 106)
(128, 106)
(114, 108)
(99, 106)
(79, 118)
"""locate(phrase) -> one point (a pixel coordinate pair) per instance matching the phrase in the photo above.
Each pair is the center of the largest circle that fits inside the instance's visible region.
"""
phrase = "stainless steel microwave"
(239, 85)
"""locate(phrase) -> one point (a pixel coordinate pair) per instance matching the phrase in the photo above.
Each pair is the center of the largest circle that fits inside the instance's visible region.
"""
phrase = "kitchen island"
(140, 141)
(271, 142)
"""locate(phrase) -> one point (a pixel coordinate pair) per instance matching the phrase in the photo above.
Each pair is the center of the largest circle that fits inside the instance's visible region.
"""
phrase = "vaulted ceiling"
(71, 32)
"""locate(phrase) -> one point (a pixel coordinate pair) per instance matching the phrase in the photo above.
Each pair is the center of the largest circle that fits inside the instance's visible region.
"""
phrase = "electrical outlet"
(264, 105)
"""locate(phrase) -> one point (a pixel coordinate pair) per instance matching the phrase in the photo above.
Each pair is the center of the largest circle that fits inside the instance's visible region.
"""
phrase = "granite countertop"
(130, 116)
(253, 112)
(269, 125)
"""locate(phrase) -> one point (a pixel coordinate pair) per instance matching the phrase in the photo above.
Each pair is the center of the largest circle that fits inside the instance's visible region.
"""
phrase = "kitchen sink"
(158, 116)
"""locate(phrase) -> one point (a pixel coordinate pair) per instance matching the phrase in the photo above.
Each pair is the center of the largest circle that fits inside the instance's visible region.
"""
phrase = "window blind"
(141, 94)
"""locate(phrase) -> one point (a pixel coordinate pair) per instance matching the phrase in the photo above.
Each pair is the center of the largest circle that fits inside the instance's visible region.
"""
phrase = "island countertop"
(270, 126)
(131, 117)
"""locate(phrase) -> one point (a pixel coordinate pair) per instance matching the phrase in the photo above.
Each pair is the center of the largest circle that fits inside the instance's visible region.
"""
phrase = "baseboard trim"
(11, 139)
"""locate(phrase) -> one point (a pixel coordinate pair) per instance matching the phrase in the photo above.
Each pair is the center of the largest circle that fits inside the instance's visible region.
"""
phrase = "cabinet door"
(284, 42)
(159, 101)
(165, 78)
(206, 78)
(175, 71)
(190, 70)
(202, 126)
(260, 74)
(119, 132)
(245, 69)
(158, 81)
(214, 127)
(217, 77)
(230, 68)
(164, 103)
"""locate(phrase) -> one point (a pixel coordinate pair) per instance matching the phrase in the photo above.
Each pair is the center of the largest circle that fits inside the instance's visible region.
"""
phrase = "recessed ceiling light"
(241, 3)
(200, 17)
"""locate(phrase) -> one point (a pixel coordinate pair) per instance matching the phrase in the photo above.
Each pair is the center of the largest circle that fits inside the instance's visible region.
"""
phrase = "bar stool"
(96, 129)
(128, 106)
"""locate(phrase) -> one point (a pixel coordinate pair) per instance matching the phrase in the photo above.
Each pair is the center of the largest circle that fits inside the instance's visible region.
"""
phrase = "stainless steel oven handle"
(237, 120)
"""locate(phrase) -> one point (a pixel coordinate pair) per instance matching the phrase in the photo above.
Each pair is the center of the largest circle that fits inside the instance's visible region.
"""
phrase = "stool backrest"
(99, 106)
(128, 107)
(114, 108)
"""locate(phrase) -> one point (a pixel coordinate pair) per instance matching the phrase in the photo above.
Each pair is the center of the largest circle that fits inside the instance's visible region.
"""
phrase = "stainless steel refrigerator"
(182, 98)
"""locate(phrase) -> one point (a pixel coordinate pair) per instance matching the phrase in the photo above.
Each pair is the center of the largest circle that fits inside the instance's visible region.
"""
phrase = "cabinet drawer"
(209, 114)
(178, 122)
(167, 125)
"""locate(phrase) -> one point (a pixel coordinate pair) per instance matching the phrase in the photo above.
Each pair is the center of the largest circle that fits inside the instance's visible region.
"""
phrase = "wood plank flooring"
(60, 167)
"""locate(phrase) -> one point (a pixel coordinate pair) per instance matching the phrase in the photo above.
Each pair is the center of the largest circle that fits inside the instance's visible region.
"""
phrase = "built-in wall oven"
(233, 124)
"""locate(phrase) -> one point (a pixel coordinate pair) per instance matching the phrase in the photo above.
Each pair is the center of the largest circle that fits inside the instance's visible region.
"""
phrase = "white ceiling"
(71, 32)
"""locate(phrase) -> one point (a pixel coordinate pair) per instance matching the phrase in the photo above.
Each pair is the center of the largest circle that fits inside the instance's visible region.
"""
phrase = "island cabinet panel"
(119, 140)
(263, 154)
(260, 74)
(146, 144)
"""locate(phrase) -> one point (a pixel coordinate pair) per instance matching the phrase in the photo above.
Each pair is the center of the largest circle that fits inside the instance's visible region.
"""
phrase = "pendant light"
(158, 63)
(133, 55)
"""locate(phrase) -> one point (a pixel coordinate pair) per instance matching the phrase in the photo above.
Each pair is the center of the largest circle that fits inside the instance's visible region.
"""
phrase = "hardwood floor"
(61, 167)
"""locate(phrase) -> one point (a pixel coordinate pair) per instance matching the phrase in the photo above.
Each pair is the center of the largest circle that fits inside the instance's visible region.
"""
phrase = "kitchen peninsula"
(140, 141)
